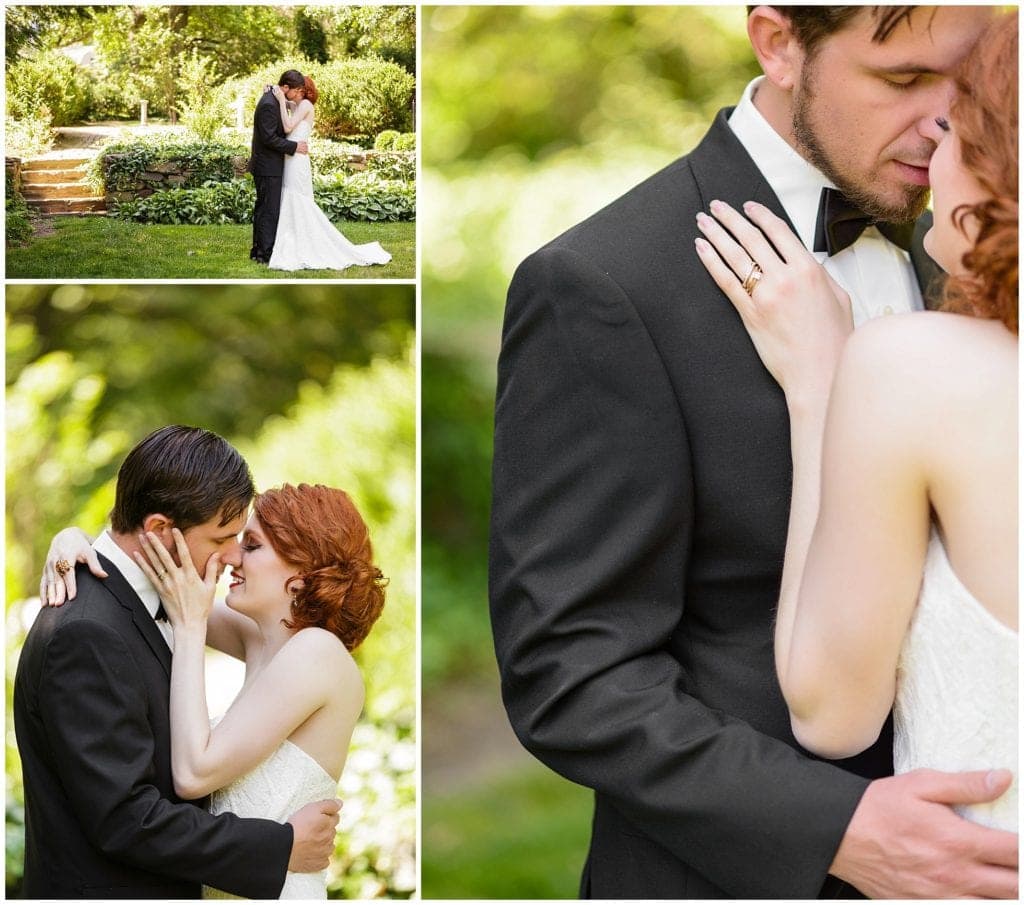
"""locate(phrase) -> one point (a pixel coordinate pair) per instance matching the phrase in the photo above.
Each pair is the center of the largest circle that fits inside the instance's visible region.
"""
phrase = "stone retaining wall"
(13, 168)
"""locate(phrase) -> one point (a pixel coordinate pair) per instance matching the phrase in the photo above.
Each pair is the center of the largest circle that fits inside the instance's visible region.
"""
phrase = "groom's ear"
(775, 45)
(161, 526)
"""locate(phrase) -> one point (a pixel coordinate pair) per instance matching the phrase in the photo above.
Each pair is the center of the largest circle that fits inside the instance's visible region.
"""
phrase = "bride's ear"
(293, 585)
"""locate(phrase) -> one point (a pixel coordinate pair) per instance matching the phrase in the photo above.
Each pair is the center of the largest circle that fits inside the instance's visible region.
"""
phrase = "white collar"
(130, 571)
(796, 182)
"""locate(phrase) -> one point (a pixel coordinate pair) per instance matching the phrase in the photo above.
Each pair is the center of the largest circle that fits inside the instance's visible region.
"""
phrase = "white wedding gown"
(306, 239)
(286, 781)
(956, 688)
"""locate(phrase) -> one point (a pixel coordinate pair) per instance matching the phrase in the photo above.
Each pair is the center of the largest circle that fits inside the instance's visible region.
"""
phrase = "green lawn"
(521, 837)
(83, 247)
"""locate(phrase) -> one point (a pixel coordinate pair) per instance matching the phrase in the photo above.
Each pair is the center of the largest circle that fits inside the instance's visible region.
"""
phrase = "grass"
(523, 836)
(84, 247)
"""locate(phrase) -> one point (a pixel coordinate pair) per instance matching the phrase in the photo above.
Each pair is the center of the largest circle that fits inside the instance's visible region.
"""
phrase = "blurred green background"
(311, 383)
(533, 118)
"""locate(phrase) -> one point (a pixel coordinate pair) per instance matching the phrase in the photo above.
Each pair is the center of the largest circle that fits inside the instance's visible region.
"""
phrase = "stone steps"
(56, 185)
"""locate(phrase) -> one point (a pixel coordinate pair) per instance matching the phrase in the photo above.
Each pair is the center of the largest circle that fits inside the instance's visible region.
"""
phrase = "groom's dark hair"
(292, 78)
(811, 24)
(186, 473)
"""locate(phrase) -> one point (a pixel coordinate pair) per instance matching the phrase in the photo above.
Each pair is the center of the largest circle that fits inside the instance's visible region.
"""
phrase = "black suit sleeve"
(590, 543)
(268, 121)
(96, 721)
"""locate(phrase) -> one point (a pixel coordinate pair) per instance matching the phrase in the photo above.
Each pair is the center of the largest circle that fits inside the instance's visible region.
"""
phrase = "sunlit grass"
(523, 836)
(102, 247)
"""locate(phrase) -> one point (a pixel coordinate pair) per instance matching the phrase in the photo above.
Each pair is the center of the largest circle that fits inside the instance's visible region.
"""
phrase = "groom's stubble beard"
(813, 147)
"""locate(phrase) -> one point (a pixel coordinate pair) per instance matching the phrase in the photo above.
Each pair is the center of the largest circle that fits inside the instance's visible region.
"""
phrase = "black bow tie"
(161, 613)
(840, 224)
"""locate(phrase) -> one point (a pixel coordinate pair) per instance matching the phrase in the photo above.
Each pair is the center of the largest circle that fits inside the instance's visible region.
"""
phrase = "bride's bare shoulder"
(934, 349)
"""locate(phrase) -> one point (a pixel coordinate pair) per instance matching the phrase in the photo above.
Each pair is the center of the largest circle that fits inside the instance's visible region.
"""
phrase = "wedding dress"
(306, 239)
(286, 781)
(956, 688)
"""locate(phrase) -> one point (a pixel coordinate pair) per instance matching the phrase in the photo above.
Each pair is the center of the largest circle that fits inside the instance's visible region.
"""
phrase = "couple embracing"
(747, 565)
(130, 790)
(289, 231)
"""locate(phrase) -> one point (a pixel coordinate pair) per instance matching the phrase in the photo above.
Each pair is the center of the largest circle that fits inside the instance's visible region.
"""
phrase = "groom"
(642, 475)
(91, 702)
(269, 147)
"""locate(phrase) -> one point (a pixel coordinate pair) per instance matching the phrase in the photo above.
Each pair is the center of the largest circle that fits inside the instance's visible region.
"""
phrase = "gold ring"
(62, 566)
(163, 575)
(753, 278)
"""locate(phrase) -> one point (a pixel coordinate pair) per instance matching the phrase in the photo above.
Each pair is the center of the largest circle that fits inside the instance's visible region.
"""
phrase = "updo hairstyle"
(318, 531)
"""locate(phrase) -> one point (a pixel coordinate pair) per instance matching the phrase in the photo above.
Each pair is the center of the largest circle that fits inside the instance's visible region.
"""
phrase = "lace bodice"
(276, 789)
(956, 691)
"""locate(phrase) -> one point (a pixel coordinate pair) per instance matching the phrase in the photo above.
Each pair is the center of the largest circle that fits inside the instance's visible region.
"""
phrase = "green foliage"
(17, 227)
(388, 32)
(213, 202)
(202, 114)
(311, 383)
(394, 165)
(365, 197)
(51, 80)
(120, 165)
(30, 135)
(405, 142)
(330, 158)
(310, 36)
(386, 140)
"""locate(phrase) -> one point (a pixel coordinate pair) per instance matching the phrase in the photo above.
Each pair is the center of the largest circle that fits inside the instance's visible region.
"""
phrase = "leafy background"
(311, 383)
(535, 117)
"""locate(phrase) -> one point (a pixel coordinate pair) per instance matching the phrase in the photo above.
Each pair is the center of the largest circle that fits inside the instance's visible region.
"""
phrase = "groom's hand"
(906, 842)
(301, 147)
(313, 843)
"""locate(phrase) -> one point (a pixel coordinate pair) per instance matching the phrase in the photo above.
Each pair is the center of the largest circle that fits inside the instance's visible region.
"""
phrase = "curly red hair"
(320, 532)
(984, 115)
(309, 87)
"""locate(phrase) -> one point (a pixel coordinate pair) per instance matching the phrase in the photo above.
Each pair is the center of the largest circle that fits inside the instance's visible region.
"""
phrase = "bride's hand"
(187, 596)
(277, 92)
(70, 545)
(797, 316)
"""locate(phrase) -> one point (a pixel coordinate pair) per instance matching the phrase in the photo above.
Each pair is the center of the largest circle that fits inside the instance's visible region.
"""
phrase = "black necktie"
(161, 613)
(840, 224)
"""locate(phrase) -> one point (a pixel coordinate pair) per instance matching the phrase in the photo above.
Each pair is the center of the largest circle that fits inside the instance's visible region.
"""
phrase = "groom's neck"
(776, 106)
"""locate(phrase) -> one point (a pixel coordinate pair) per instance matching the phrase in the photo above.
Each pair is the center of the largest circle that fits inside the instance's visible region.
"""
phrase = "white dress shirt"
(876, 273)
(136, 579)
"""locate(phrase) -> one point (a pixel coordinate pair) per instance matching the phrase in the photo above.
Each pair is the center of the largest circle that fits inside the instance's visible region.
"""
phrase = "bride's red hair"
(320, 532)
(310, 88)
(984, 115)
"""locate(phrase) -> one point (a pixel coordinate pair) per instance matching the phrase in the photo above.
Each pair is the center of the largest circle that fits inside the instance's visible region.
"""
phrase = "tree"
(311, 37)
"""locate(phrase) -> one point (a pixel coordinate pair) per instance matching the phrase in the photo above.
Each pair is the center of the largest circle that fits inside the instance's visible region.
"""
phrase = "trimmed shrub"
(386, 140)
(406, 142)
(49, 80)
(358, 97)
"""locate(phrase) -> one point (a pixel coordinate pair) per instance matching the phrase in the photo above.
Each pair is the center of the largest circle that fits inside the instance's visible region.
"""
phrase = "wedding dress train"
(306, 239)
(956, 688)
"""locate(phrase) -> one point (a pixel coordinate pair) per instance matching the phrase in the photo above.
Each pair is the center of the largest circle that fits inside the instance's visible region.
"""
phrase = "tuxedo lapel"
(144, 622)
(724, 170)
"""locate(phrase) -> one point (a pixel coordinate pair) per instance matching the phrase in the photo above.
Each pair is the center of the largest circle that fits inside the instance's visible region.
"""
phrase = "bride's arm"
(290, 120)
(848, 585)
(283, 696)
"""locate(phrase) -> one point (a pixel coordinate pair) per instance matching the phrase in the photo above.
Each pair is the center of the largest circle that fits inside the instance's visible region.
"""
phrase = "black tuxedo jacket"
(269, 144)
(642, 479)
(102, 821)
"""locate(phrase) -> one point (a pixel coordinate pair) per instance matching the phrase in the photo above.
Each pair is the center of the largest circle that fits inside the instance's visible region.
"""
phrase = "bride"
(306, 239)
(908, 434)
(304, 593)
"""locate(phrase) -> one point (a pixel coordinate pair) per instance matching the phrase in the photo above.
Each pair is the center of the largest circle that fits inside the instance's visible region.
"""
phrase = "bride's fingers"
(147, 569)
(157, 553)
(184, 554)
(746, 234)
(724, 278)
(729, 250)
(786, 242)
(212, 569)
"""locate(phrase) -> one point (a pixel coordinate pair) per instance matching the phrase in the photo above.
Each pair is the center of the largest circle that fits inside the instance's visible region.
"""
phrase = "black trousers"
(265, 216)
